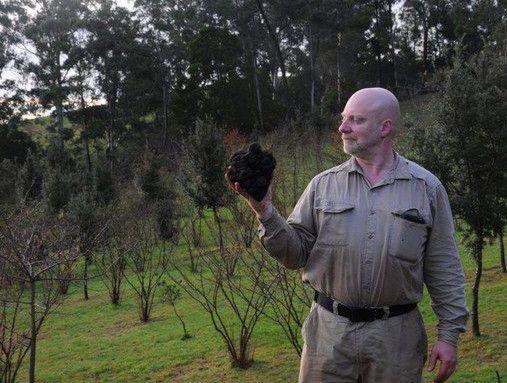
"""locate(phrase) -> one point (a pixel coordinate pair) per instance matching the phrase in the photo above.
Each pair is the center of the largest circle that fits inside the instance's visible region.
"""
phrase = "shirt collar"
(399, 171)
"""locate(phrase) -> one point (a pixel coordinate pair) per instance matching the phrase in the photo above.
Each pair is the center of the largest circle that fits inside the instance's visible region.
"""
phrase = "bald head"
(378, 101)
(369, 122)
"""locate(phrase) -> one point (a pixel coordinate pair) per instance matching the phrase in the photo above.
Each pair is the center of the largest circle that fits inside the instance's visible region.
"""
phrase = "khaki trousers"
(392, 350)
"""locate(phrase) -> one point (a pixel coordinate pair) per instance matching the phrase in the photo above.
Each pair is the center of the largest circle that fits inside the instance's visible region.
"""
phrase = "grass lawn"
(91, 341)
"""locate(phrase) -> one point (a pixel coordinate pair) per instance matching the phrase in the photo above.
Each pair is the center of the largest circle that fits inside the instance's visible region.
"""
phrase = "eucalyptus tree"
(14, 143)
(167, 30)
(421, 18)
(82, 95)
(160, 33)
(112, 40)
(47, 36)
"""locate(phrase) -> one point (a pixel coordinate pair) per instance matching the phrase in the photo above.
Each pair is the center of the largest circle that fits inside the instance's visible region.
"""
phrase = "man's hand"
(447, 355)
(262, 209)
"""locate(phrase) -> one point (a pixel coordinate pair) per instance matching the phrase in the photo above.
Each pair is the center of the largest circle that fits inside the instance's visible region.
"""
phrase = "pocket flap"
(328, 206)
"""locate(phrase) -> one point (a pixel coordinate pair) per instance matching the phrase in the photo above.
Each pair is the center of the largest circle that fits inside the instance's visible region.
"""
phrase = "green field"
(91, 341)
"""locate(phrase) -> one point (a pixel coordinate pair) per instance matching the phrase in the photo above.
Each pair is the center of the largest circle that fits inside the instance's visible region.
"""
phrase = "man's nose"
(344, 127)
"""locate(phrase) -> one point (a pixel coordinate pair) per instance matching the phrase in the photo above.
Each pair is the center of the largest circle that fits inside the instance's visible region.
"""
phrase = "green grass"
(91, 341)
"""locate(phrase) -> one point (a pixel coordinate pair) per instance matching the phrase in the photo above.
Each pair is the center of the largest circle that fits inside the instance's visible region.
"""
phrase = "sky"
(129, 4)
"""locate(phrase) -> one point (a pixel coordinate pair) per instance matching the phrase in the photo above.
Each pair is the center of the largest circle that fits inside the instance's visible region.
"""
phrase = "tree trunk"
(110, 130)
(502, 247)
(145, 314)
(257, 88)
(425, 45)
(165, 100)
(338, 70)
(33, 333)
(279, 55)
(378, 53)
(85, 134)
(219, 225)
(59, 104)
(85, 279)
(196, 230)
(186, 335)
(477, 253)
(273, 82)
(392, 38)
(275, 42)
(312, 68)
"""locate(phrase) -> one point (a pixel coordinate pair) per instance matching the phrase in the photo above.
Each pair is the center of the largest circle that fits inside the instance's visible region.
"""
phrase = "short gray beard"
(355, 149)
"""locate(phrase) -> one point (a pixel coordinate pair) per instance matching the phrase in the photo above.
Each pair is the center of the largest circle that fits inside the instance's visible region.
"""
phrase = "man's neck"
(376, 165)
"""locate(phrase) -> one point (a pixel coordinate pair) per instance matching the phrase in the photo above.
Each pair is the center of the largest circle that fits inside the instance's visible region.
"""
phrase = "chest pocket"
(335, 222)
(408, 234)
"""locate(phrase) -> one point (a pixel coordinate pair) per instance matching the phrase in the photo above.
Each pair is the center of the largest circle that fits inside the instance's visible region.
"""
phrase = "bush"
(204, 180)
(57, 189)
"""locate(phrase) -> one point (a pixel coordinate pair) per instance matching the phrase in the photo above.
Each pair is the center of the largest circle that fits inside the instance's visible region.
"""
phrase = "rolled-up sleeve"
(443, 272)
(290, 241)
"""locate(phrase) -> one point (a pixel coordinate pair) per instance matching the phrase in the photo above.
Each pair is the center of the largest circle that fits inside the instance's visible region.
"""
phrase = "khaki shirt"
(353, 244)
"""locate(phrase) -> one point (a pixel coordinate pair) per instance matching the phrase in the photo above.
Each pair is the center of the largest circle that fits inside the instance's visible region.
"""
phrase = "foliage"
(57, 189)
(30, 177)
(15, 144)
(171, 294)
(466, 145)
(204, 179)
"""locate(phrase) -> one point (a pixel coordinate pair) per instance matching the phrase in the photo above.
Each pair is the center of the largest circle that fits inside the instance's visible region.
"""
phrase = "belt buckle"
(386, 312)
(335, 307)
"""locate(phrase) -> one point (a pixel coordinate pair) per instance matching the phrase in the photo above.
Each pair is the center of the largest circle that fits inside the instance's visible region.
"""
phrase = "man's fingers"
(269, 193)
(240, 191)
(446, 369)
(432, 361)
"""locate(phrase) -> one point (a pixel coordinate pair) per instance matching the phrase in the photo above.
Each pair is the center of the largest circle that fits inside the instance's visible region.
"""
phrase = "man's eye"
(360, 120)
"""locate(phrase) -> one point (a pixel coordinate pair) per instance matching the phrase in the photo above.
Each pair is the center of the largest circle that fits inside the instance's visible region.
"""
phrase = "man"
(367, 234)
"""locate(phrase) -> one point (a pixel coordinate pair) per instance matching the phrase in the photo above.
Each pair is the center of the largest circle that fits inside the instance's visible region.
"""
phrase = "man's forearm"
(289, 244)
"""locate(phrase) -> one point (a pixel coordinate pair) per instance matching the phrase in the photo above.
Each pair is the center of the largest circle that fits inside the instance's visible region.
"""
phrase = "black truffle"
(252, 169)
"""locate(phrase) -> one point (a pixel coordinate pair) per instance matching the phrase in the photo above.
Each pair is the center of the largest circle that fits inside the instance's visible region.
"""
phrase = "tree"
(203, 180)
(34, 246)
(110, 257)
(50, 36)
(171, 295)
(233, 302)
(111, 43)
(84, 214)
(147, 254)
(465, 148)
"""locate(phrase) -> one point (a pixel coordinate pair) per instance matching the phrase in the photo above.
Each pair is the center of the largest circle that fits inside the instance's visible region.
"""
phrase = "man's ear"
(387, 128)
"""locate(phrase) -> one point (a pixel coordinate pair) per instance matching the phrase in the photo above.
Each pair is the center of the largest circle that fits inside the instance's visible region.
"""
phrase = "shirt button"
(372, 212)
(371, 235)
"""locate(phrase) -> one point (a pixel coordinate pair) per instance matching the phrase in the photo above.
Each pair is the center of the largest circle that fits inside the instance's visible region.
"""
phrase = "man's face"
(360, 129)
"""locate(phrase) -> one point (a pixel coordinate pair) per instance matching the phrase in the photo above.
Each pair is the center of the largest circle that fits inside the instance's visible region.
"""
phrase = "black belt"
(362, 314)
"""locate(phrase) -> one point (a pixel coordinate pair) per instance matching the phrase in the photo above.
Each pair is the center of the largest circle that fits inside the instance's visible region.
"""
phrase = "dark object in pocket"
(412, 217)
(252, 169)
